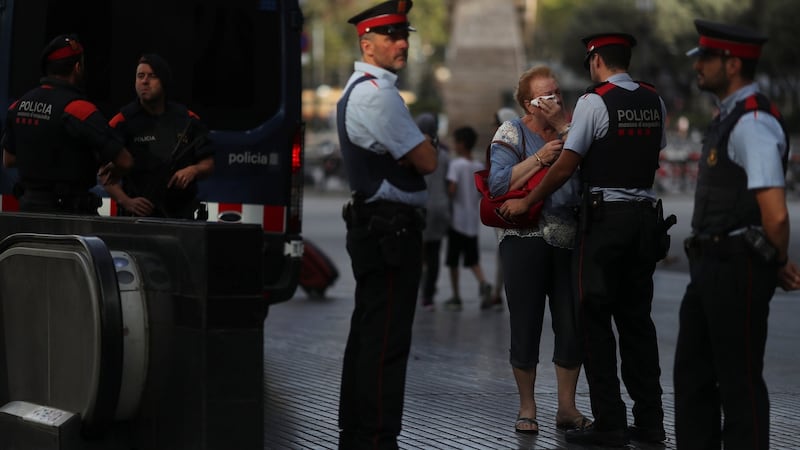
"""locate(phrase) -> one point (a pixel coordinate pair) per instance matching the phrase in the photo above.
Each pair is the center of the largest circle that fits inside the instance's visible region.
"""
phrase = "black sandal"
(527, 421)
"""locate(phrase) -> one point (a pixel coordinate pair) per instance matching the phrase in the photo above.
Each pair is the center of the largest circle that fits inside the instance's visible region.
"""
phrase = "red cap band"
(73, 49)
(738, 49)
(379, 21)
(607, 40)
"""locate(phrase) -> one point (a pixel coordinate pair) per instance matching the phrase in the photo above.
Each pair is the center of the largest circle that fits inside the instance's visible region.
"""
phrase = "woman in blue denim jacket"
(536, 261)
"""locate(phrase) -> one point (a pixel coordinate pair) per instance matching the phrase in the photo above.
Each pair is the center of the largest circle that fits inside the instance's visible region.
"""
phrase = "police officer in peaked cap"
(738, 251)
(386, 157)
(592, 43)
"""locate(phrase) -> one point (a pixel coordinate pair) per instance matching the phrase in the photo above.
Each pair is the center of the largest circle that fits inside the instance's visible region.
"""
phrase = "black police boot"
(592, 436)
(645, 434)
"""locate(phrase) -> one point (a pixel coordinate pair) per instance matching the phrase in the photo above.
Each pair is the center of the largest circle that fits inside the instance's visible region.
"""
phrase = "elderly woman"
(536, 261)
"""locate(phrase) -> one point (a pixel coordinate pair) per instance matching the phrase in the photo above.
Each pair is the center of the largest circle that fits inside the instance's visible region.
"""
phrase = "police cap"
(596, 41)
(61, 47)
(727, 40)
(386, 18)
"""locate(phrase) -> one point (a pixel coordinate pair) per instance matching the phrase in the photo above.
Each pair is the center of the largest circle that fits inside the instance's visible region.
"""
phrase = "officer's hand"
(183, 177)
(789, 277)
(139, 206)
(108, 174)
(513, 207)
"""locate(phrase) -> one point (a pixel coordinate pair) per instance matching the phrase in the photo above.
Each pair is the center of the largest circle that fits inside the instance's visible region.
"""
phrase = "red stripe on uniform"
(80, 109)
(116, 120)
(602, 90)
(751, 103)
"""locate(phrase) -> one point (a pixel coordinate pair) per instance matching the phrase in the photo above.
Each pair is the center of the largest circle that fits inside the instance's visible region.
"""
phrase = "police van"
(236, 63)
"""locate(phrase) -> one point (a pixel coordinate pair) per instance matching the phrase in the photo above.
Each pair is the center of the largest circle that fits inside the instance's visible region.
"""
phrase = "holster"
(382, 217)
(662, 237)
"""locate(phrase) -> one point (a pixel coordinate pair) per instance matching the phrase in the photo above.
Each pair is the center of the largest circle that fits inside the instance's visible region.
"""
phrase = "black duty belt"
(384, 216)
(714, 245)
(625, 205)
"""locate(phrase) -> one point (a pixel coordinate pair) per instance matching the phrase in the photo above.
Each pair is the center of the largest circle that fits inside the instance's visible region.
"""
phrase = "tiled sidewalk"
(460, 391)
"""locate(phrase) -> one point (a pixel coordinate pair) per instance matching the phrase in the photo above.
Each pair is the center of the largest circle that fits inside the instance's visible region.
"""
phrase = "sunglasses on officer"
(396, 32)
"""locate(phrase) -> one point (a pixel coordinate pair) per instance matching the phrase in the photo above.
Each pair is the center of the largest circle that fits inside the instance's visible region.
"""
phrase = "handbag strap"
(520, 154)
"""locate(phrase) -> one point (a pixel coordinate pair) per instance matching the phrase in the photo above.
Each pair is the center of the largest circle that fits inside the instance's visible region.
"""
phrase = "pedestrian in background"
(737, 251)
(171, 147)
(437, 217)
(386, 157)
(58, 139)
(616, 135)
(537, 259)
(462, 238)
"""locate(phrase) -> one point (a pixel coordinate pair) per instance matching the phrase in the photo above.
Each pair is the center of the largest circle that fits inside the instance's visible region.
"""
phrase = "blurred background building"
(485, 56)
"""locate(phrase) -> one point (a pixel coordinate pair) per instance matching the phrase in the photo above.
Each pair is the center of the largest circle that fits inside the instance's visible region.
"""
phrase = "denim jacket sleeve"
(502, 157)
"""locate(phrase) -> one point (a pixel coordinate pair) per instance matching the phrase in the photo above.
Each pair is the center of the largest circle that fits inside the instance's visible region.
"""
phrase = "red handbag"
(489, 206)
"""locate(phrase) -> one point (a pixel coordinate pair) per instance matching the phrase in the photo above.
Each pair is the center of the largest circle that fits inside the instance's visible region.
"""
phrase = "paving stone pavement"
(460, 392)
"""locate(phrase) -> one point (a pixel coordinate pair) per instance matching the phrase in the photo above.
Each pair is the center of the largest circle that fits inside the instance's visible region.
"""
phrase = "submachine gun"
(156, 190)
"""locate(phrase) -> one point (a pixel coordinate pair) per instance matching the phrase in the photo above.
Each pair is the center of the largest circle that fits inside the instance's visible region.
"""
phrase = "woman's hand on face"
(554, 113)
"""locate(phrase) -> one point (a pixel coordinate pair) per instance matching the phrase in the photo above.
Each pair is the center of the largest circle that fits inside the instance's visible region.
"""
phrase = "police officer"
(386, 157)
(170, 145)
(57, 138)
(737, 251)
(616, 135)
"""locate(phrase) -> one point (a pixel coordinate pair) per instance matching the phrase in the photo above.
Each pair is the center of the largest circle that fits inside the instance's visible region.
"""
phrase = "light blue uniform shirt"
(757, 142)
(378, 120)
(590, 122)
